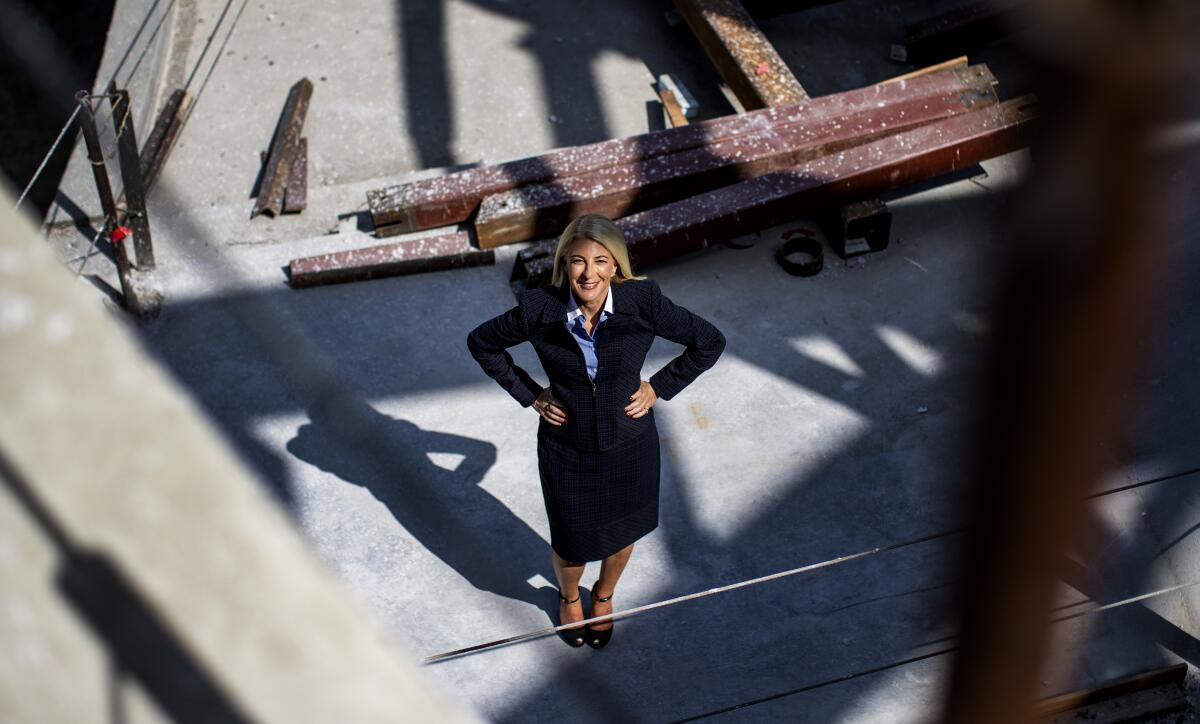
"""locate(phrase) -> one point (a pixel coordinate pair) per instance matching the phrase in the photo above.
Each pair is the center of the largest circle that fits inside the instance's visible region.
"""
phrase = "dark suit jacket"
(596, 418)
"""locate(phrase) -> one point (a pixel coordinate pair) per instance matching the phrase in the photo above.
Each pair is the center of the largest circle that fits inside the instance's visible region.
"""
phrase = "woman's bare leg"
(610, 573)
(568, 575)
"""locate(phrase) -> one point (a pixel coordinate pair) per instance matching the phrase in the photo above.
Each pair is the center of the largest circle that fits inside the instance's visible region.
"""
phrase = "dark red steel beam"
(916, 155)
(411, 256)
(453, 198)
(544, 209)
(741, 53)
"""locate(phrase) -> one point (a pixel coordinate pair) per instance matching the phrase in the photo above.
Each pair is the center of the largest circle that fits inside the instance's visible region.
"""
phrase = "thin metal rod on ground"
(550, 630)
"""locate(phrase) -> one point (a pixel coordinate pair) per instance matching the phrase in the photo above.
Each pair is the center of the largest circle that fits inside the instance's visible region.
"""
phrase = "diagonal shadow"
(445, 510)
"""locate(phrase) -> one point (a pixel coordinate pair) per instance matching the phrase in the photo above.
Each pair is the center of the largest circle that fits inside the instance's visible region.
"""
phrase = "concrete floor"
(832, 424)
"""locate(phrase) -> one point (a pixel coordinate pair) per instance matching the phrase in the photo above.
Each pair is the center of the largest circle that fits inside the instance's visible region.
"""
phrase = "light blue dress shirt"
(587, 342)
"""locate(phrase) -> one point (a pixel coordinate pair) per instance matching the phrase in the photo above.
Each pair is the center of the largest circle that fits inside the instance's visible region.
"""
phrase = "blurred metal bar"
(131, 178)
(1075, 305)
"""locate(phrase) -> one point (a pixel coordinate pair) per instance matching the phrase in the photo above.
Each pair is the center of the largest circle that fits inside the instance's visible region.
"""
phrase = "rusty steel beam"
(295, 195)
(859, 227)
(617, 191)
(953, 32)
(453, 198)
(1151, 693)
(743, 56)
(283, 148)
(891, 162)
(131, 178)
(162, 137)
(411, 256)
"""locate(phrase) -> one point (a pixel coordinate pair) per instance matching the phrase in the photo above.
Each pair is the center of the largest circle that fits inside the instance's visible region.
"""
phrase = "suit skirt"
(598, 502)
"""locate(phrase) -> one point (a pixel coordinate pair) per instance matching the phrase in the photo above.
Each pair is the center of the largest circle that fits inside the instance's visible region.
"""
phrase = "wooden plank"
(411, 256)
(283, 150)
(743, 56)
(617, 191)
(453, 198)
(671, 108)
(856, 173)
(1168, 675)
(959, 62)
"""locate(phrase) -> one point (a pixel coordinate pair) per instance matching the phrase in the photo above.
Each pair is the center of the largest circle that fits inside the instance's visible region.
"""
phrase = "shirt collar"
(575, 311)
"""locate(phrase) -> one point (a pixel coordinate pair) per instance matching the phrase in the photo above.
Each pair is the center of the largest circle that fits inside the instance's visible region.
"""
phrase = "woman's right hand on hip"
(548, 406)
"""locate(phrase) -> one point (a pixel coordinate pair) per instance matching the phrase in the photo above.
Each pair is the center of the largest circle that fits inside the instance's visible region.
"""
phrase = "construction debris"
(617, 191)
(131, 178)
(295, 194)
(411, 256)
(744, 57)
(162, 137)
(893, 161)
(687, 102)
(450, 199)
(282, 154)
(673, 113)
(801, 256)
(964, 28)
(859, 227)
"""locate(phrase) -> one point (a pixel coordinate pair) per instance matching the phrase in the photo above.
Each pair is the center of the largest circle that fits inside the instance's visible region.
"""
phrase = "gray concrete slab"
(834, 422)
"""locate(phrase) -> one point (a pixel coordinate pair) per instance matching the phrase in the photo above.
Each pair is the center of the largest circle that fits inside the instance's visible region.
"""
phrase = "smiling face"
(589, 269)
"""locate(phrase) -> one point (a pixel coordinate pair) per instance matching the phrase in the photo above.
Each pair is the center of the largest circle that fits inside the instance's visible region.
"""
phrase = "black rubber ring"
(803, 245)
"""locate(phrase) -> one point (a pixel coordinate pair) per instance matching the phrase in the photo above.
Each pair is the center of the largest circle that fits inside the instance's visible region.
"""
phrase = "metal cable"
(543, 632)
(42, 166)
(53, 147)
(216, 59)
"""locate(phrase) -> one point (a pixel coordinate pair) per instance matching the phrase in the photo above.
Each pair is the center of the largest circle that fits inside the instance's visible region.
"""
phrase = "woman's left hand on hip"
(641, 401)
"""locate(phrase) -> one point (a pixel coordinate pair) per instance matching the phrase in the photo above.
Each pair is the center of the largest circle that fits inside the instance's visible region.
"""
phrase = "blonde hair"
(602, 231)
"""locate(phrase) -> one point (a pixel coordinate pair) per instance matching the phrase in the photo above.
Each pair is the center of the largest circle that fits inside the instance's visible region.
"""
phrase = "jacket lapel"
(554, 315)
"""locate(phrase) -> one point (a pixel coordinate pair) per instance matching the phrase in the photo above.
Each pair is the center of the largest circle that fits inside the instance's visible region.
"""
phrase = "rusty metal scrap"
(450, 199)
(131, 178)
(162, 137)
(295, 195)
(617, 191)
(861, 171)
(744, 57)
(282, 152)
(411, 256)
(859, 227)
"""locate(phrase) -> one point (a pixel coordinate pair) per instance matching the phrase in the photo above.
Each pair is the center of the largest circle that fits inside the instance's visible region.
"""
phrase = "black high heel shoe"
(573, 637)
(598, 639)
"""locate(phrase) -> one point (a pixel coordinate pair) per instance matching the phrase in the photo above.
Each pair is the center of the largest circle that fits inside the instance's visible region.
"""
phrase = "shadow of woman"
(445, 510)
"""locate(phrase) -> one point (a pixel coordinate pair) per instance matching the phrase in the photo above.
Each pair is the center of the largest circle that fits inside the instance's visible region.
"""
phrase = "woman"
(597, 443)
